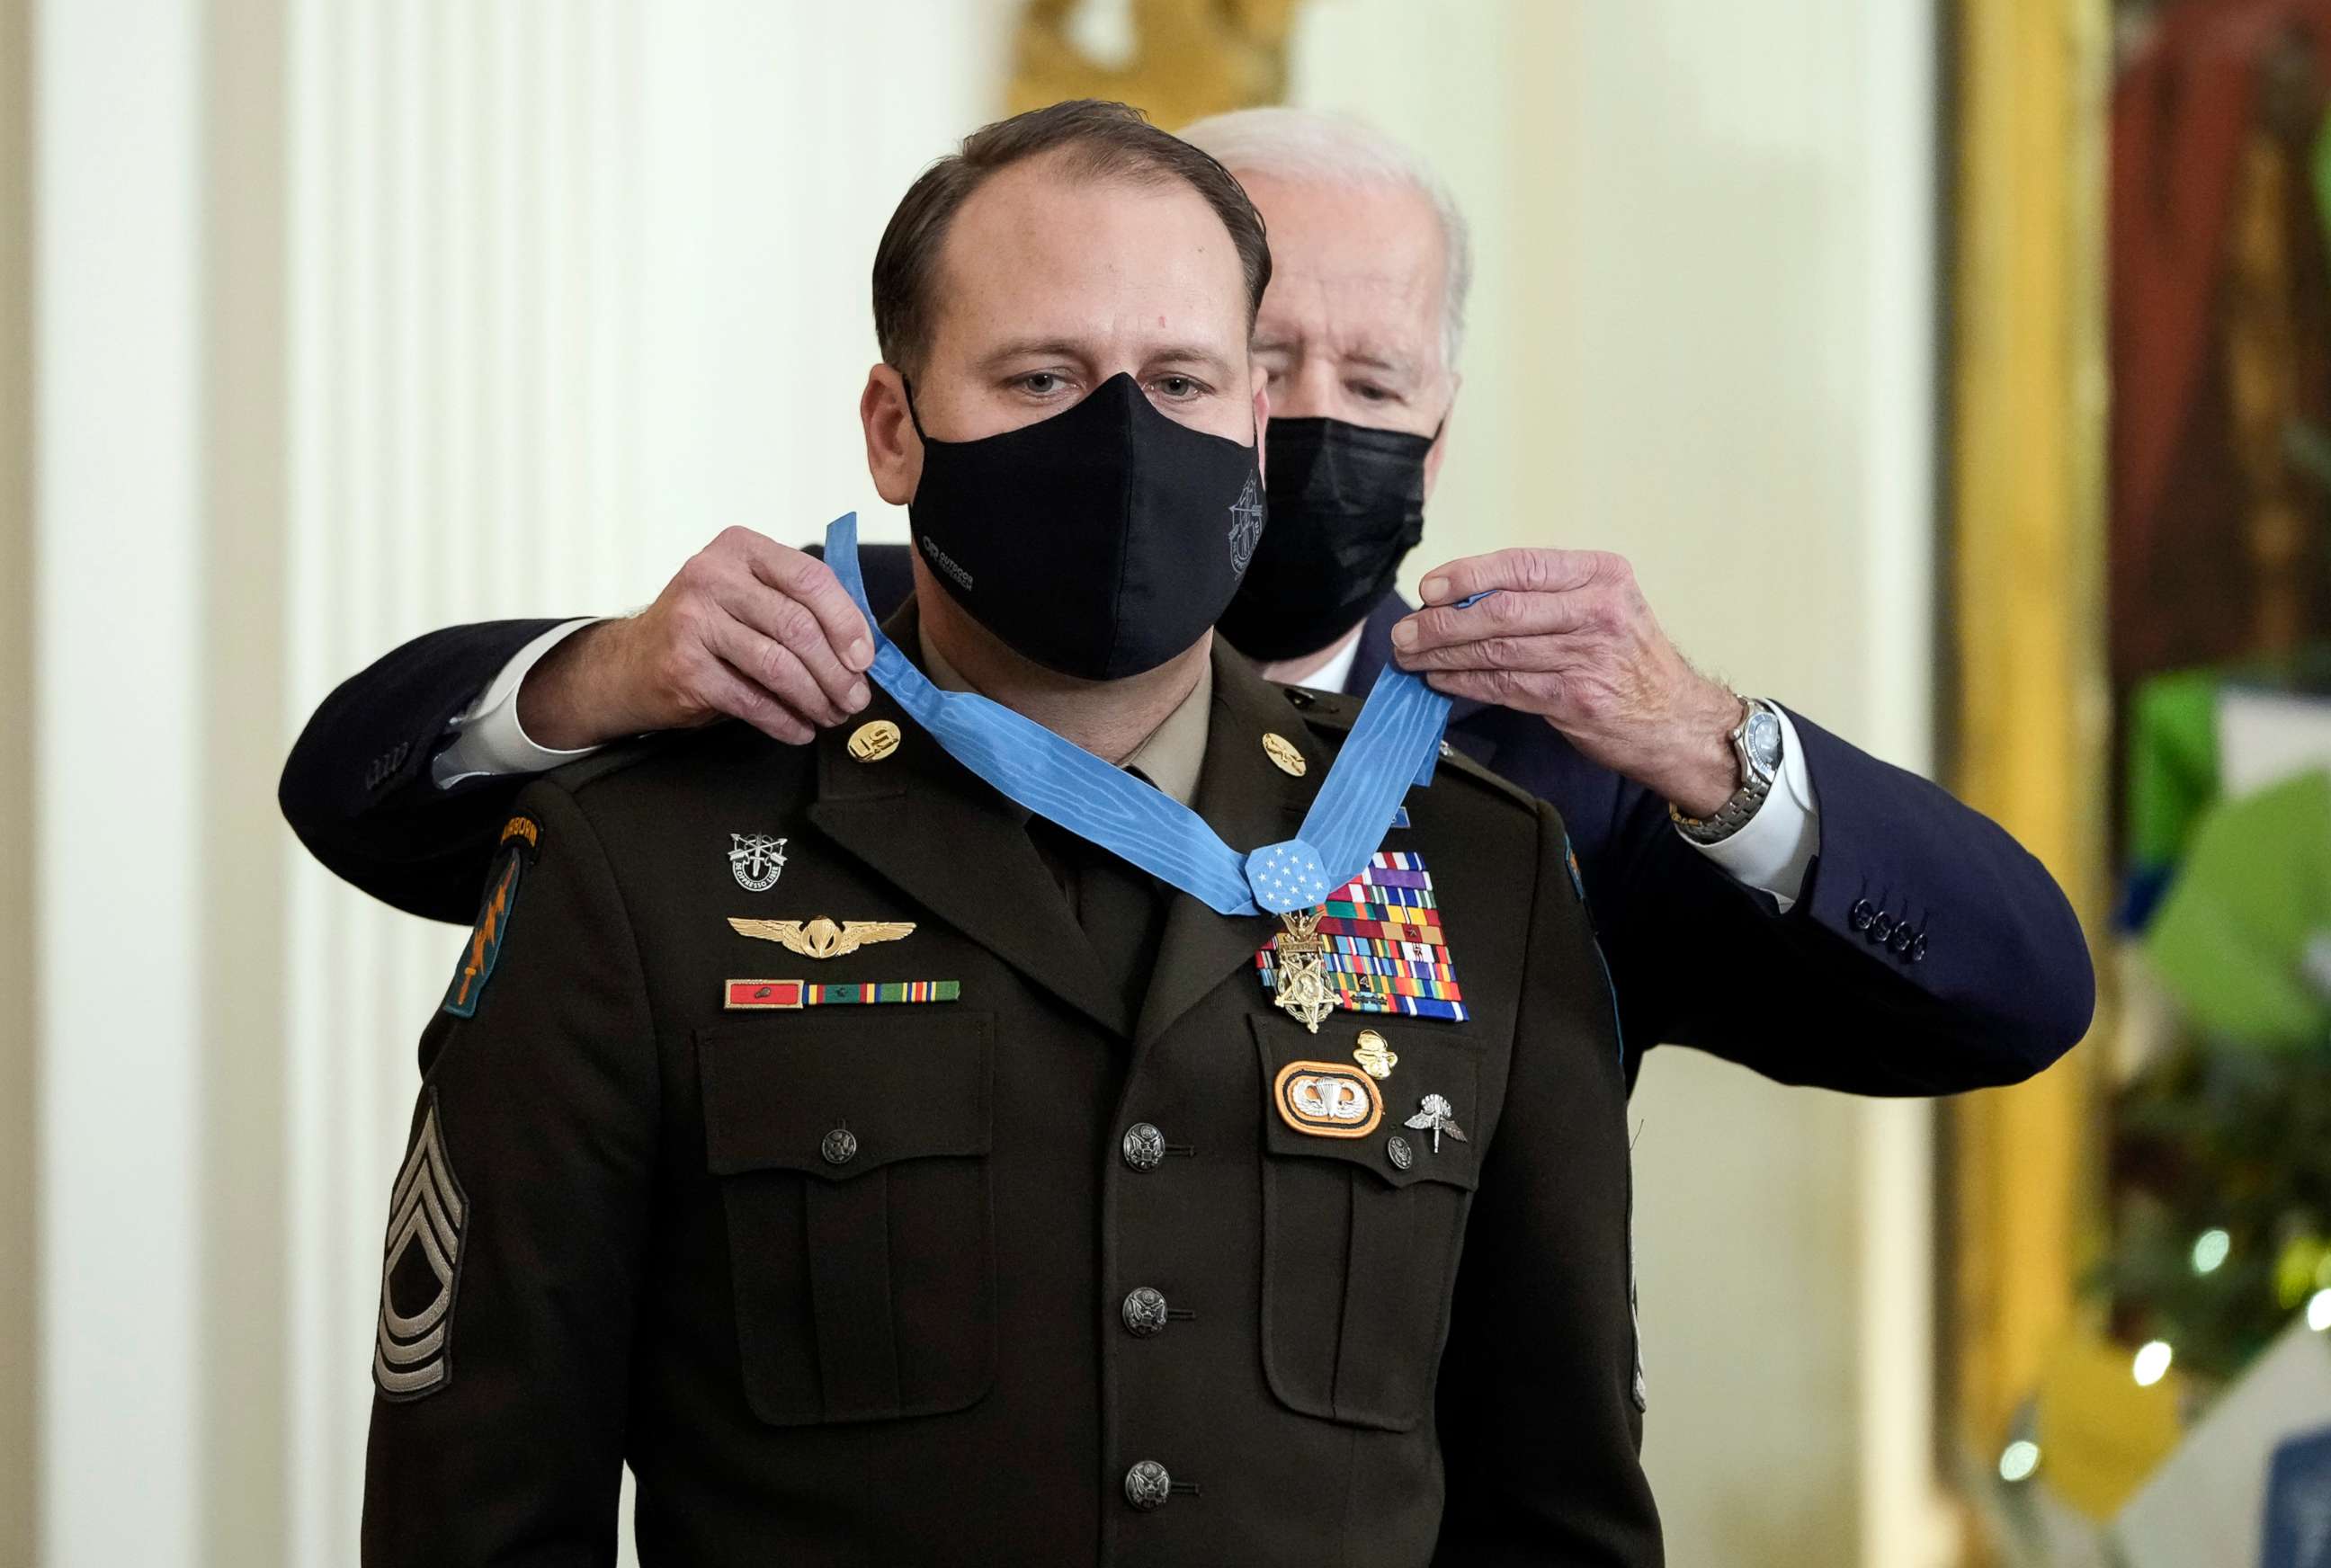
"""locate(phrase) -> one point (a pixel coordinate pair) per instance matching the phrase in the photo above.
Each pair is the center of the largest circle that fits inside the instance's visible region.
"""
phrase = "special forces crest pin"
(1246, 526)
(758, 860)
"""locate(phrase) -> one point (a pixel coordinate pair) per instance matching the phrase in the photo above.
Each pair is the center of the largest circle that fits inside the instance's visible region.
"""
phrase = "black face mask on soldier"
(1347, 507)
(1100, 542)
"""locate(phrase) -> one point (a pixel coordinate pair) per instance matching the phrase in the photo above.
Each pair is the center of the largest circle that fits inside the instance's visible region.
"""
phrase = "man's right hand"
(748, 629)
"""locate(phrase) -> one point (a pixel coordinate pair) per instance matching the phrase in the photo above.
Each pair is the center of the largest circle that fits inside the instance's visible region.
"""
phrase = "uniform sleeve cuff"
(1774, 848)
(490, 742)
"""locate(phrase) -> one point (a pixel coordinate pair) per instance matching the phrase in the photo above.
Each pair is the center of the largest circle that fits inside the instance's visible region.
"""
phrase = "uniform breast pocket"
(1365, 1184)
(853, 1152)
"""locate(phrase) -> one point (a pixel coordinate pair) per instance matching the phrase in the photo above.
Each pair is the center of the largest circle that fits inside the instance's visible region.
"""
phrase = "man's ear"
(1263, 422)
(1441, 442)
(894, 452)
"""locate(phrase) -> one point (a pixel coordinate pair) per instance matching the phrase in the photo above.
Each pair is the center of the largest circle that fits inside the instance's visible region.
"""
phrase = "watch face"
(1764, 739)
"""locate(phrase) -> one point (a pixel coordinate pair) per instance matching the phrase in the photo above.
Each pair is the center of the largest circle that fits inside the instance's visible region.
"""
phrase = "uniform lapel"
(950, 843)
(1247, 799)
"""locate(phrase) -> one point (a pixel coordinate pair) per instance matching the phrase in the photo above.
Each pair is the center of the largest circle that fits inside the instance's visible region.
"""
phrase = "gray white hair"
(1305, 144)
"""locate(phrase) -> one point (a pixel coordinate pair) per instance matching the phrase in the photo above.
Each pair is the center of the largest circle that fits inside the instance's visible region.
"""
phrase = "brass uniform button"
(840, 1147)
(1282, 754)
(873, 742)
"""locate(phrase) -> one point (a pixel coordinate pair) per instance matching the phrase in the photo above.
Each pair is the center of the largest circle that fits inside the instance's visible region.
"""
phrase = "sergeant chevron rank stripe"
(420, 1266)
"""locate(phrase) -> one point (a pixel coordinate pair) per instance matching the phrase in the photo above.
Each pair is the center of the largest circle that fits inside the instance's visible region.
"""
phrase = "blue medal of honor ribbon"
(1393, 745)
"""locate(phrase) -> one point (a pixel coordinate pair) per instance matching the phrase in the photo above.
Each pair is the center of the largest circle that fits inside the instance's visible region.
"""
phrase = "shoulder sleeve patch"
(420, 1265)
(483, 949)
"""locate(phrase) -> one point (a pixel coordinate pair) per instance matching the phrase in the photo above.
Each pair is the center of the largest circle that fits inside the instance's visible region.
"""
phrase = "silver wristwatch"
(1756, 742)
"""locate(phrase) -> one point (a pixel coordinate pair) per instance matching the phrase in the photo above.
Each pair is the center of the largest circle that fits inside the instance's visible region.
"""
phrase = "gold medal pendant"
(1302, 984)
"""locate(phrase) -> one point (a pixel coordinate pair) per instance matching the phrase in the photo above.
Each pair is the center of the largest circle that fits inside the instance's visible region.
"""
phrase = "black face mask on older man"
(1100, 542)
(1347, 507)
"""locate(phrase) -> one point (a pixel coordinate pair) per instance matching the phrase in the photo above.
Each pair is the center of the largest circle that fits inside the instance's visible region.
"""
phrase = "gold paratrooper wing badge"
(822, 937)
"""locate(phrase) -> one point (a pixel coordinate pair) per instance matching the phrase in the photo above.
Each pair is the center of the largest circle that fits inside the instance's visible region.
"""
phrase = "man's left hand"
(1569, 637)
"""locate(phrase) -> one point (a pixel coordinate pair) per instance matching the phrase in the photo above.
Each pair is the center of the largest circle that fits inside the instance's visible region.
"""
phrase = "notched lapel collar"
(1250, 801)
(950, 843)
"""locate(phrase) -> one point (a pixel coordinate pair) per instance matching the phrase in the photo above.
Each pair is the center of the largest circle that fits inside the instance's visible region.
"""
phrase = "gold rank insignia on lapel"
(1375, 945)
(822, 937)
(873, 742)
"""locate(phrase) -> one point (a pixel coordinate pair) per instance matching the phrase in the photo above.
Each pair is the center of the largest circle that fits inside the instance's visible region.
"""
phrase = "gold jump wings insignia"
(822, 937)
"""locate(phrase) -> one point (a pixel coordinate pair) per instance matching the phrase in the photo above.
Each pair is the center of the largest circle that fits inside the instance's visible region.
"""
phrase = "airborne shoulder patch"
(521, 837)
(420, 1265)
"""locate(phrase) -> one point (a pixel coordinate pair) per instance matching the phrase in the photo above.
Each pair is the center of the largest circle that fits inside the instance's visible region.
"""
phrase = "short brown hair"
(1103, 140)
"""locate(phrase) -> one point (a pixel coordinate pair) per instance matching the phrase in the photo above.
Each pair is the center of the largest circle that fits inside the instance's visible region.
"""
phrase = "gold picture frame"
(2026, 625)
(1185, 60)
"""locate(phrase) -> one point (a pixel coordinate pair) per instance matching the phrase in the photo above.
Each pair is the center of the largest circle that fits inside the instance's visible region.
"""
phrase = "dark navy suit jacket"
(1926, 953)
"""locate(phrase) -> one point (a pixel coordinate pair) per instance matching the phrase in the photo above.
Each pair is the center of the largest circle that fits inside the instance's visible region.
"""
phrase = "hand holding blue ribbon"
(1393, 744)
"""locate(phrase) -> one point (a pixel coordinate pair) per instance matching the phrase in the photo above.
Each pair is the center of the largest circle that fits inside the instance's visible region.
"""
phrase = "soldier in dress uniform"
(892, 1175)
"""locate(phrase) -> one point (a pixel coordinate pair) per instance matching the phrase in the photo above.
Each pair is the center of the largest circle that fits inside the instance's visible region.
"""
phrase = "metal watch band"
(1733, 813)
(1729, 818)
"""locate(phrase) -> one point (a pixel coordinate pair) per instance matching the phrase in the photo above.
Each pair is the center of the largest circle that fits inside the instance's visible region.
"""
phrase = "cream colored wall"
(17, 1007)
(120, 858)
(244, 1311)
(1702, 337)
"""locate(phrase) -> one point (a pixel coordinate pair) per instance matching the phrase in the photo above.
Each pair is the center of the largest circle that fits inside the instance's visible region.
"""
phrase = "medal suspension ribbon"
(1393, 745)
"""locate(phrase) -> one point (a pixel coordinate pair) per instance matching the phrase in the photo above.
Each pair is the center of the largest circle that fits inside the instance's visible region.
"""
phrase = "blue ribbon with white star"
(1393, 746)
